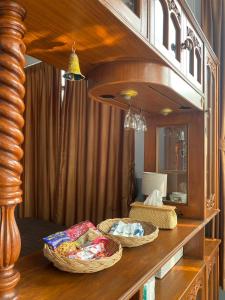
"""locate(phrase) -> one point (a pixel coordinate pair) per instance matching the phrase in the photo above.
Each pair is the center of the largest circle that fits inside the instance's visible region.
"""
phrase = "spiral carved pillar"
(12, 77)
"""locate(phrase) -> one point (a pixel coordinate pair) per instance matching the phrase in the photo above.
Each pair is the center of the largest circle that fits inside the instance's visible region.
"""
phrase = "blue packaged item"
(56, 239)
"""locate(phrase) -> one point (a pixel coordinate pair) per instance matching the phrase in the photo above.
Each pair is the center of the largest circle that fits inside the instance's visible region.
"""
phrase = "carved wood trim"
(194, 291)
(12, 50)
(192, 35)
(211, 265)
(211, 64)
(173, 7)
(210, 203)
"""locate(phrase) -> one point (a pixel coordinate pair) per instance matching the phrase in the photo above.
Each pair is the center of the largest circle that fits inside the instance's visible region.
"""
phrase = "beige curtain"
(213, 23)
(96, 160)
(41, 131)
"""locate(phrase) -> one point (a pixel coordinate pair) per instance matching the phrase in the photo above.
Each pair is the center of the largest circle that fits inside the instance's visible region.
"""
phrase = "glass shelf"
(172, 145)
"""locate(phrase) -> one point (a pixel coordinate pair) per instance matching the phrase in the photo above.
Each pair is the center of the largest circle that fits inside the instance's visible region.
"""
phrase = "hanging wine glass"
(144, 127)
(127, 120)
(139, 127)
(130, 121)
(133, 123)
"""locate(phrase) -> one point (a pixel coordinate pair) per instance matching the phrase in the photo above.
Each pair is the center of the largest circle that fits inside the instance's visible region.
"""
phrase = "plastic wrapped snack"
(79, 229)
(56, 239)
(89, 252)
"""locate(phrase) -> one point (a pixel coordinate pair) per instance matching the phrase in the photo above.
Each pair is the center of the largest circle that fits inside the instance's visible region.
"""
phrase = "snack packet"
(56, 239)
(79, 229)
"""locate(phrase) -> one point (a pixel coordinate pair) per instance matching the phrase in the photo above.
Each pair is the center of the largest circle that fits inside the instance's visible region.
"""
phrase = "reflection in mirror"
(172, 160)
(132, 4)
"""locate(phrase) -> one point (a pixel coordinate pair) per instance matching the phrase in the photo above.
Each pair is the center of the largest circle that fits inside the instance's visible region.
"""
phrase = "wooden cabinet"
(167, 29)
(193, 47)
(212, 268)
(133, 12)
(178, 64)
(189, 178)
(174, 36)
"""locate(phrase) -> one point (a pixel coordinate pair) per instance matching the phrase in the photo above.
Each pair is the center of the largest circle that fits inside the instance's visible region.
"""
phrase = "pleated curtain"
(41, 132)
(96, 159)
(78, 161)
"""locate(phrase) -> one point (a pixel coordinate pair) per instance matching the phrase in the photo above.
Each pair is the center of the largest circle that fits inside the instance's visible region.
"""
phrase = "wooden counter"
(41, 281)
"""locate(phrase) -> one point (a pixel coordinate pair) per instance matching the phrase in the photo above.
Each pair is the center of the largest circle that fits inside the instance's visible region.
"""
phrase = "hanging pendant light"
(73, 72)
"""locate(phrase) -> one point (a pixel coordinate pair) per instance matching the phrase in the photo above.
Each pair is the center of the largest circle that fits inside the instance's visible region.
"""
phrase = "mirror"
(172, 151)
(132, 4)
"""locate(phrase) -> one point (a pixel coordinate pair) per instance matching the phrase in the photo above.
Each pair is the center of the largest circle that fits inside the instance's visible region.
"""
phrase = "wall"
(31, 61)
(139, 162)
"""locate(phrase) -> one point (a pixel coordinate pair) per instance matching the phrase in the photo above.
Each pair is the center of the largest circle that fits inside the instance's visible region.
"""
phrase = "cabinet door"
(167, 29)
(192, 45)
(211, 134)
(135, 12)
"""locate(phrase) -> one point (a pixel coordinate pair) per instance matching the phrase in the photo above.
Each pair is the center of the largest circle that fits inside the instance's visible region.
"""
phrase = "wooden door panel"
(167, 29)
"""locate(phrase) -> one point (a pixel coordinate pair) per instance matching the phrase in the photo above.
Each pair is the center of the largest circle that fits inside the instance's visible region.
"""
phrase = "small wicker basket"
(163, 217)
(85, 266)
(151, 232)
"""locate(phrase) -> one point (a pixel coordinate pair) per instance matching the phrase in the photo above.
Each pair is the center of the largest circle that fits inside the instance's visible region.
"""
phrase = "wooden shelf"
(211, 245)
(40, 280)
(175, 284)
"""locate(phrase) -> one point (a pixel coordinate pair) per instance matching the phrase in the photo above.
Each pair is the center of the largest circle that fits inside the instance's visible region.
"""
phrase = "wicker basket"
(163, 217)
(85, 266)
(151, 233)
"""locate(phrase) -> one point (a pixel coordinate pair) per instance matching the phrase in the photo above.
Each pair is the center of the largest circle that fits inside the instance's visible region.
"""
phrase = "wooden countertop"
(41, 281)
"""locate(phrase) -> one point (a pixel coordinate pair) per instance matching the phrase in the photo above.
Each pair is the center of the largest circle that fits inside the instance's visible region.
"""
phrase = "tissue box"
(149, 289)
(163, 217)
(170, 264)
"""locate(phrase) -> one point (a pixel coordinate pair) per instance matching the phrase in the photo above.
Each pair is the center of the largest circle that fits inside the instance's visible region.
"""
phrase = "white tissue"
(128, 230)
(155, 199)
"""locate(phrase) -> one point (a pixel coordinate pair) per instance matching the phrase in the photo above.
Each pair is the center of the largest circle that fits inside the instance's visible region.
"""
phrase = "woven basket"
(151, 233)
(85, 266)
(163, 217)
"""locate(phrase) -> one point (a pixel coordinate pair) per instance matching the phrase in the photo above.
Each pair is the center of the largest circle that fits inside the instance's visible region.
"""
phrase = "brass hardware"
(187, 44)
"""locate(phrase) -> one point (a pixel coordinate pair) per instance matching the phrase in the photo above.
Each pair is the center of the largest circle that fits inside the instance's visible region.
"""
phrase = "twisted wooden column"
(12, 78)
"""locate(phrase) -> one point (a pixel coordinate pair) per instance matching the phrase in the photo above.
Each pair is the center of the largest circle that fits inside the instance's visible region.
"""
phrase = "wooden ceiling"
(53, 26)
(101, 38)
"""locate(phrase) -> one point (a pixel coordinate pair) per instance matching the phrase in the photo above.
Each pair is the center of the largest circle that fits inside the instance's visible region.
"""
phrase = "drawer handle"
(173, 47)
(187, 44)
